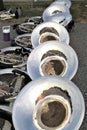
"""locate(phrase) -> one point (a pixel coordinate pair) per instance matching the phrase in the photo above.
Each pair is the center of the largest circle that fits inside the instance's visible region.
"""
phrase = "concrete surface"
(79, 43)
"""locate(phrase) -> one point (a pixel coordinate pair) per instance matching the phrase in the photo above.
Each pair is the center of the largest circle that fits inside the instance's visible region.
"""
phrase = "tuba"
(52, 58)
(49, 103)
(63, 18)
(48, 31)
(54, 9)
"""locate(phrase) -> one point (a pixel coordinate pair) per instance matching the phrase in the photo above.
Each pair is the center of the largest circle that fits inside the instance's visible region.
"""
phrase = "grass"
(78, 10)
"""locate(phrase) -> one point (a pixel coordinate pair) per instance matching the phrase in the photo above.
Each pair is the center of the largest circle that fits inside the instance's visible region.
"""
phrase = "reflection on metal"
(24, 40)
(49, 103)
(6, 109)
(11, 82)
(26, 27)
(13, 57)
(63, 18)
(52, 58)
(48, 31)
(52, 10)
(35, 19)
(66, 3)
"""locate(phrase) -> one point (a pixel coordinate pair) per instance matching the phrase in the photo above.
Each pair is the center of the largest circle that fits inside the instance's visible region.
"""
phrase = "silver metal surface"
(10, 71)
(22, 61)
(34, 60)
(24, 40)
(17, 87)
(66, 3)
(62, 18)
(61, 33)
(24, 105)
(54, 9)
(26, 27)
(6, 108)
(35, 19)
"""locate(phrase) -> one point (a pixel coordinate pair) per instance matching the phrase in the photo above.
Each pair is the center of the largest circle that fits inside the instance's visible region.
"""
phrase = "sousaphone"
(48, 31)
(52, 58)
(49, 103)
(54, 9)
(62, 18)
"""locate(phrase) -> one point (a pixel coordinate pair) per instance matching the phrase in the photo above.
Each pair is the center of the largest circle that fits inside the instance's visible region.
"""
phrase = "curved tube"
(24, 40)
(25, 27)
(66, 3)
(63, 18)
(11, 57)
(52, 10)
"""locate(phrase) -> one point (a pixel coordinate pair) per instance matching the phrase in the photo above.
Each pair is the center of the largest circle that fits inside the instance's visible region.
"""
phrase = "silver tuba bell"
(66, 3)
(52, 58)
(54, 9)
(48, 31)
(63, 18)
(49, 103)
